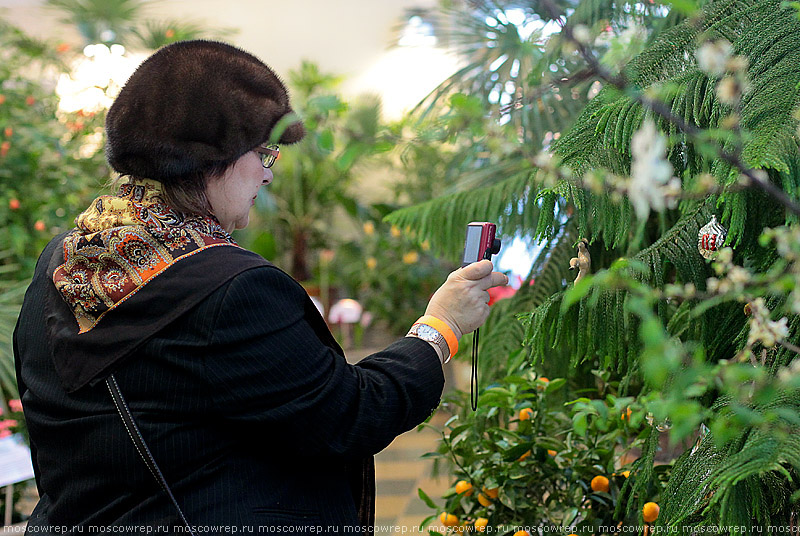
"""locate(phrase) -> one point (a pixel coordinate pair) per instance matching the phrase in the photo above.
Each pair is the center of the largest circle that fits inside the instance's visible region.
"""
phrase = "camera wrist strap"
(473, 381)
(141, 446)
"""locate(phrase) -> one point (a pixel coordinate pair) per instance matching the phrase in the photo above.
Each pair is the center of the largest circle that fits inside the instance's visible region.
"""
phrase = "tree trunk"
(299, 267)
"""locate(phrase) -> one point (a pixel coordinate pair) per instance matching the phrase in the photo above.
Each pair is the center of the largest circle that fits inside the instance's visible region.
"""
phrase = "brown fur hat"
(193, 105)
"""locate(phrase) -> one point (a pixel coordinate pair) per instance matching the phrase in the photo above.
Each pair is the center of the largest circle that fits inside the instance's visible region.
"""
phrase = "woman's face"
(233, 194)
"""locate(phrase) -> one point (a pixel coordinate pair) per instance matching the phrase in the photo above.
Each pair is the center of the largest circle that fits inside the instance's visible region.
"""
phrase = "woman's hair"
(187, 193)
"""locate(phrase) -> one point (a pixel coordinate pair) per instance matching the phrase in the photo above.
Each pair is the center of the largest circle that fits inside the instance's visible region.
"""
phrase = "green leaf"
(425, 521)
(685, 7)
(383, 146)
(577, 292)
(555, 385)
(348, 157)
(579, 424)
(427, 500)
(325, 140)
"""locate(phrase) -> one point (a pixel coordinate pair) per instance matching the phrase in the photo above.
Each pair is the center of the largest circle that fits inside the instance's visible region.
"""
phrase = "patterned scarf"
(121, 243)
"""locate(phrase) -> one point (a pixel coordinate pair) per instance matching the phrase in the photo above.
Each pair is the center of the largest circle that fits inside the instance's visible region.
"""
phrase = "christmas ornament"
(664, 425)
(583, 262)
(701, 435)
(710, 238)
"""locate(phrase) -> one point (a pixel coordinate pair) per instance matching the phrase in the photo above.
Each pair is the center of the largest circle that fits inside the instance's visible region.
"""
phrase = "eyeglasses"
(268, 154)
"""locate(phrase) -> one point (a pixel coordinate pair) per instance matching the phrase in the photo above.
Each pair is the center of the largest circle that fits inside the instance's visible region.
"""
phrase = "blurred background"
(356, 39)
(358, 72)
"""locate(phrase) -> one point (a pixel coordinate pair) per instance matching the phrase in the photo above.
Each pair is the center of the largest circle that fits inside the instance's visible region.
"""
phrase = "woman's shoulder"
(231, 255)
(242, 265)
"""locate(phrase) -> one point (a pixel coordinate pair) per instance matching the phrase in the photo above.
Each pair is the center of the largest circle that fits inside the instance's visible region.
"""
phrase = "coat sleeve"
(267, 366)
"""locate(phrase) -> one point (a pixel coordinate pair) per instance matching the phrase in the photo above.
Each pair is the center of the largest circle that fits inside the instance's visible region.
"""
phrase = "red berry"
(8, 132)
(39, 225)
(29, 100)
(14, 204)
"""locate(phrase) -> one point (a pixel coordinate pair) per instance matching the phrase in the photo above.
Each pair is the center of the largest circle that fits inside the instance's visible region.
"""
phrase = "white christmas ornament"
(710, 238)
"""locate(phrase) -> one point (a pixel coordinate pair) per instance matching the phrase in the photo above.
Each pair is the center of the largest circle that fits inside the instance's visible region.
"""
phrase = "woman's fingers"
(477, 270)
(496, 279)
(482, 271)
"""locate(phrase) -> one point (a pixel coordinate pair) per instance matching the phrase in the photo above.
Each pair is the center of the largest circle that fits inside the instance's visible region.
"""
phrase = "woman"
(243, 396)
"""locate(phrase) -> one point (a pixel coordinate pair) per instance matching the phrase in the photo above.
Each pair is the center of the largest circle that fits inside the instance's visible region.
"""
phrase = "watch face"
(427, 333)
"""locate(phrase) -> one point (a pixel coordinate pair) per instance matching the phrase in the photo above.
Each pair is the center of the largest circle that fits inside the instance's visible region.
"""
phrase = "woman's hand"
(462, 301)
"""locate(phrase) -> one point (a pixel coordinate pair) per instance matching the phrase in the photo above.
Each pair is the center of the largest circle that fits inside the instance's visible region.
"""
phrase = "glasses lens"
(269, 155)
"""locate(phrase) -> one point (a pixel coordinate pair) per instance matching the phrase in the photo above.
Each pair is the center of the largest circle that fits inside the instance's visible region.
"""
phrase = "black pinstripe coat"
(241, 392)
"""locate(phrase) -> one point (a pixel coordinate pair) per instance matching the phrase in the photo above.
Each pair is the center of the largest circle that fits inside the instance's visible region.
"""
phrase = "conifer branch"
(659, 108)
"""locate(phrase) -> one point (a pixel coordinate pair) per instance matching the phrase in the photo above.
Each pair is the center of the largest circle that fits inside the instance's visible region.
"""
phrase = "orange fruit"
(411, 257)
(448, 520)
(480, 524)
(650, 512)
(542, 383)
(600, 483)
(522, 533)
(525, 414)
(552, 453)
(484, 500)
(527, 453)
(462, 486)
(491, 493)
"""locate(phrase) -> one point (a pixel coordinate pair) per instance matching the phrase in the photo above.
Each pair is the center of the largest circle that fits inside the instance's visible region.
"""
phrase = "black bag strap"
(141, 446)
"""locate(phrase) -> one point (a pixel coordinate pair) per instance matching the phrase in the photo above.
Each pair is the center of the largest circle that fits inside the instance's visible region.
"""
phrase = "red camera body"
(480, 242)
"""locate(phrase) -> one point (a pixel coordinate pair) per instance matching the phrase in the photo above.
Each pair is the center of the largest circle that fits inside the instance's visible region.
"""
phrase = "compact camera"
(480, 242)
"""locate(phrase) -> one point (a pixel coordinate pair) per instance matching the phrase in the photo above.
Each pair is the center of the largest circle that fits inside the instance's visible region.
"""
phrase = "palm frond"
(154, 34)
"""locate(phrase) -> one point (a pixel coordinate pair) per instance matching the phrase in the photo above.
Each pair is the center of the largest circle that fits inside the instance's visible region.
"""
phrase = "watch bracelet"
(441, 343)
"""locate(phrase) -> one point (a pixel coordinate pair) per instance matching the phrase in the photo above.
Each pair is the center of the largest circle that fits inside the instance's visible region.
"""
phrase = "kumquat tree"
(657, 153)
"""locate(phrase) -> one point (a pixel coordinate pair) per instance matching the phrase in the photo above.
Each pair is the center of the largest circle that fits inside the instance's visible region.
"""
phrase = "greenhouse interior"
(244, 267)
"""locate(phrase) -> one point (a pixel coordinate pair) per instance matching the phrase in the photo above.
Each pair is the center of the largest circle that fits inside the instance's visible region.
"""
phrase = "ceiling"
(352, 38)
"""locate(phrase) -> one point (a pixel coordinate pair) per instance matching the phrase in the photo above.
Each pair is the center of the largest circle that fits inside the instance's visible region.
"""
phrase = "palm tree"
(317, 173)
